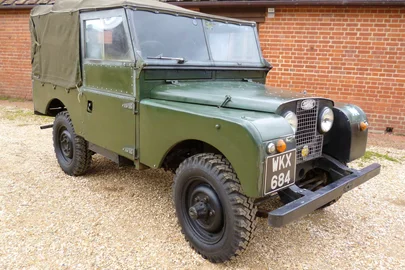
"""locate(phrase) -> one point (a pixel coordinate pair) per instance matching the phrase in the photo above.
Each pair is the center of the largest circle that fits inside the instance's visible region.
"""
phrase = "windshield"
(232, 43)
(187, 40)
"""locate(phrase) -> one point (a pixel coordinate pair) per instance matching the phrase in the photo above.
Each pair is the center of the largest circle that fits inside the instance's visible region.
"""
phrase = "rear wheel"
(216, 218)
(71, 150)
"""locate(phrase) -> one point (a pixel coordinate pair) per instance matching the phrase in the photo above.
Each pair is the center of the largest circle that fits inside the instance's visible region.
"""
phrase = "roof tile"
(20, 2)
(7, 2)
(25, 2)
(31, 2)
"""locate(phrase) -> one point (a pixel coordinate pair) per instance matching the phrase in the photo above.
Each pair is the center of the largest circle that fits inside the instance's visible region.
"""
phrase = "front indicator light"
(281, 146)
(363, 126)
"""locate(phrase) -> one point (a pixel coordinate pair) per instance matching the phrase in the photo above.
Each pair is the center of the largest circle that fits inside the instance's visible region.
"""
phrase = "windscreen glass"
(232, 43)
(164, 35)
(158, 36)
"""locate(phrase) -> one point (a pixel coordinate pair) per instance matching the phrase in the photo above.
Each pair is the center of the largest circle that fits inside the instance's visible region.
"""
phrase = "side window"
(105, 39)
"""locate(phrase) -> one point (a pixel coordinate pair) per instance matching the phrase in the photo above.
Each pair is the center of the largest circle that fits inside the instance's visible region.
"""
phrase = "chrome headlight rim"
(292, 119)
(326, 119)
(271, 148)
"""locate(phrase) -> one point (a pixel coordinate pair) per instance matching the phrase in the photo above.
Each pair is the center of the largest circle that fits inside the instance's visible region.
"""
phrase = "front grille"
(307, 134)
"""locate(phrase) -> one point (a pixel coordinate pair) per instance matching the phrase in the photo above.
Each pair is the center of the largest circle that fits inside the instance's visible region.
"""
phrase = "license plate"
(280, 171)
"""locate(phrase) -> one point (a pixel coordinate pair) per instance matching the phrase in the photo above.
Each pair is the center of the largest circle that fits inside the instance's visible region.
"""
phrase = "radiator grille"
(307, 134)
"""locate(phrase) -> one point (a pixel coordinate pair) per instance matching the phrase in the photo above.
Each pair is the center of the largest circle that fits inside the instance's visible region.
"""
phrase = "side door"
(108, 93)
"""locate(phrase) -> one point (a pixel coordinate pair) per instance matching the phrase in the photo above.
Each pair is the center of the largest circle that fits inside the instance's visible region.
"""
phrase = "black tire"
(221, 227)
(71, 150)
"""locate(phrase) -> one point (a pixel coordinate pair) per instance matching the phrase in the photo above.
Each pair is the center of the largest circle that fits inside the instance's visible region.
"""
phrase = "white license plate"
(280, 171)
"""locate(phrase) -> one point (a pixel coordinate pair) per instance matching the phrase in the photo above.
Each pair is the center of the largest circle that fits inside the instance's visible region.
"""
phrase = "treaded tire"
(73, 155)
(214, 172)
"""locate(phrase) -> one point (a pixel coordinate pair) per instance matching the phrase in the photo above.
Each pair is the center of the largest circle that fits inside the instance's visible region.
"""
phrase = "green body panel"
(163, 124)
(354, 113)
(345, 141)
(150, 78)
(44, 93)
(114, 78)
(245, 95)
(109, 125)
(171, 74)
(255, 75)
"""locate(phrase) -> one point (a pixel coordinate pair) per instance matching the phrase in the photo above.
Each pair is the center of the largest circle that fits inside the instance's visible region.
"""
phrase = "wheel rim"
(65, 144)
(203, 211)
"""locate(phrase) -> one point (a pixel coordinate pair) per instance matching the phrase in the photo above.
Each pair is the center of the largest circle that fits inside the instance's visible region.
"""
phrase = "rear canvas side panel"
(56, 49)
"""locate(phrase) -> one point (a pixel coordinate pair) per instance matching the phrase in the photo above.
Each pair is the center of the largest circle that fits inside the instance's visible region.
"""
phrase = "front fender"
(345, 141)
(233, 132)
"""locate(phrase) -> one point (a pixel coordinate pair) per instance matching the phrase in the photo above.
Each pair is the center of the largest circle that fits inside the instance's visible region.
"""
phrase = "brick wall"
(15, 54)
(350, 54)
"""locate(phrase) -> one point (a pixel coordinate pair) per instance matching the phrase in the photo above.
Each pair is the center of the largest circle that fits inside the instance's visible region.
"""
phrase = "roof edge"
(17, 7)
(257, 3)
(270, 3)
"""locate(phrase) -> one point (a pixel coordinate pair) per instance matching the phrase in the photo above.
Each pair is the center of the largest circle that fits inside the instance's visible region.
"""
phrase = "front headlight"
(326, 120)
(291, 119)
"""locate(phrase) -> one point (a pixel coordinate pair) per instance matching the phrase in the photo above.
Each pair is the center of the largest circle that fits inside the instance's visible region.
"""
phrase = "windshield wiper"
(180, 60)
(226, 101)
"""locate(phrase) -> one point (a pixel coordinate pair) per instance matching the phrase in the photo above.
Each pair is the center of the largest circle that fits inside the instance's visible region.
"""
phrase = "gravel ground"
(121, 218)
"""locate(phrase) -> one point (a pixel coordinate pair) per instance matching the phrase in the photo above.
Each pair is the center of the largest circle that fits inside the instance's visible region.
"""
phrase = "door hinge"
(131, 106)
(130, 150)
(131, 65)
(175, 82)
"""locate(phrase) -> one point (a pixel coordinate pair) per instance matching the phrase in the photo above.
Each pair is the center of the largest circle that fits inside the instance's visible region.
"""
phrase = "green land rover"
(152, 85)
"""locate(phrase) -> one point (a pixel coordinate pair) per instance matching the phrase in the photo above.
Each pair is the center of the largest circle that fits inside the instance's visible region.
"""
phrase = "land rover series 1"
(152, 85)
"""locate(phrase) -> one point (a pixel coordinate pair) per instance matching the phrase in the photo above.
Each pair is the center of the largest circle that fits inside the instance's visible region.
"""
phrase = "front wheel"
(71, 150)
(216, 218)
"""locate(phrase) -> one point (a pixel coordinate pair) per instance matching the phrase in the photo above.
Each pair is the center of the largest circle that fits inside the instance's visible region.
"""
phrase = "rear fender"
(45, 93)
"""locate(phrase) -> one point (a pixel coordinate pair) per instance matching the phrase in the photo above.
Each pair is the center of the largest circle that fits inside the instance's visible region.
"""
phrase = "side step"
(120, 160)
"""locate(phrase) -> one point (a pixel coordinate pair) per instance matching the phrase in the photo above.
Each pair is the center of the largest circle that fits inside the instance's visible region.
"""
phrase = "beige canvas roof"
(63, 6)
(55, 35)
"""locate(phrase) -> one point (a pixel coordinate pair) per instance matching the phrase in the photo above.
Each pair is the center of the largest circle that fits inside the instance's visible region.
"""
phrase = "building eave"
(256, 3)
(17, 7)
(273, 3)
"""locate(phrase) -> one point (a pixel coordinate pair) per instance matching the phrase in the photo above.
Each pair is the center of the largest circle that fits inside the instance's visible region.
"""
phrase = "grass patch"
(12, 99)
(371, 154)
(15, 114)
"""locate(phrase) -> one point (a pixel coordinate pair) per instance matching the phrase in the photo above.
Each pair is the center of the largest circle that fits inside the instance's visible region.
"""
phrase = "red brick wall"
(15, 54)
(350, 54)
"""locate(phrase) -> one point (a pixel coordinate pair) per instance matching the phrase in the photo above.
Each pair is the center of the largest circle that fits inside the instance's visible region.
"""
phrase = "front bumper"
(309, 201)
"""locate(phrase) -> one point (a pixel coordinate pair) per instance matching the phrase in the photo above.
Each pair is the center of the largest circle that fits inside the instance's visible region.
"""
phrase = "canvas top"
(56, 29)
(68, 6)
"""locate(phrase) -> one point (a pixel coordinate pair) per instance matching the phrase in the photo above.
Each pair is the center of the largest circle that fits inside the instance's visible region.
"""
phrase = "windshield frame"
(210, 63)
